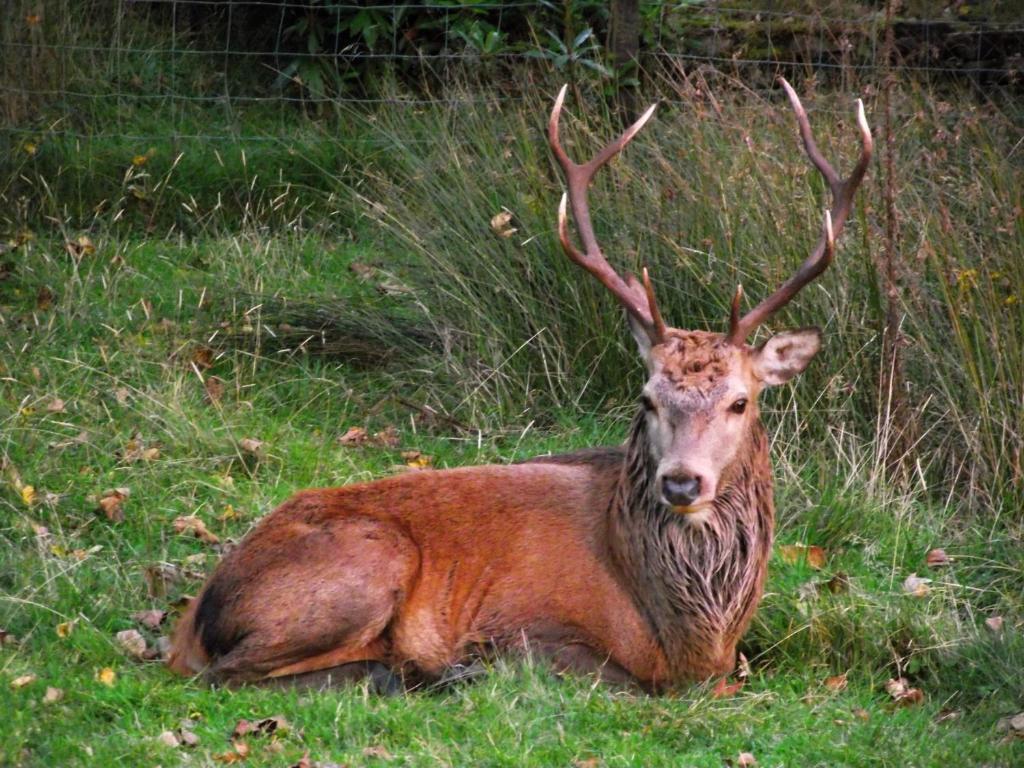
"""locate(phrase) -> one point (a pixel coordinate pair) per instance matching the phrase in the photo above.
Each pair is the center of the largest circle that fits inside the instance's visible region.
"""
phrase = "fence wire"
(178, 61)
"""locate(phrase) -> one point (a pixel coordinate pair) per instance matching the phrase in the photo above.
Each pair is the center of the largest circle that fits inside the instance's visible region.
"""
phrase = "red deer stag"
(642, 563)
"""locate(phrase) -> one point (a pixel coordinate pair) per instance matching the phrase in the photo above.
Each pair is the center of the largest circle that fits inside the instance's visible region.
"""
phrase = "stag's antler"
(636, 298)
(843, 191)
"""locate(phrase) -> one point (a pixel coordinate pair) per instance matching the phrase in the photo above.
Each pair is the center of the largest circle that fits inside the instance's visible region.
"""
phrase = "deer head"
(700, 399)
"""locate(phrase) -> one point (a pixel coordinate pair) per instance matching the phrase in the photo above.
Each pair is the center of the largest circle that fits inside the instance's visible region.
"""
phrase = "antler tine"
(843, 191)
(638, 300)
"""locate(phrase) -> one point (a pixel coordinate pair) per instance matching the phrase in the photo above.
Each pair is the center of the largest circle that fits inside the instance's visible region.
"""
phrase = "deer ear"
(643, 340)
(785, 355)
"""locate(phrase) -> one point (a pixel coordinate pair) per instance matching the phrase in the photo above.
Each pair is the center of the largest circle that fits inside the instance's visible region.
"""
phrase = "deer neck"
(697, 582)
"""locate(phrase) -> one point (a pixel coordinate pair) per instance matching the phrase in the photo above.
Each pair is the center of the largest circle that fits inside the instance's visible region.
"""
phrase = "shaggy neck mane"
(698, 581)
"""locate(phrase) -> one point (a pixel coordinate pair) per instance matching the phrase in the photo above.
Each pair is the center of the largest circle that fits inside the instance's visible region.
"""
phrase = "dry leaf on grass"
(387, 437)
(937, 558)
(251, 445)
(161, 577)
(168, 739)
(190, 524)
(836, 683)
(417, 460)
(214, 388)
(916, 586)
(202, 357)
(23, 680)
(239, 752)
(56, 406)
(793, 553)
(378, 752)
(28, 495)
(358, 436)
(501, 224)
(79, 247)
(132, 641)
(111, 504)
(52, 695)
(65, 628)
(742, 667)
(354, 436)
(994, 623)
(746, 760)
(80, 439)
(44, 298)
(902, 693)
(268, 726)
(1012, 726)
(151, 619)
(106, 676)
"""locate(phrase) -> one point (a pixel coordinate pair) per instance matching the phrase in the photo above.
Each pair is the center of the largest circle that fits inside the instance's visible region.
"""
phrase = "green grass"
(99, 338)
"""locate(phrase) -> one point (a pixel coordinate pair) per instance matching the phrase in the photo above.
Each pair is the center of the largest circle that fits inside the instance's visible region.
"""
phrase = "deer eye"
(647, 403)
(739, 406)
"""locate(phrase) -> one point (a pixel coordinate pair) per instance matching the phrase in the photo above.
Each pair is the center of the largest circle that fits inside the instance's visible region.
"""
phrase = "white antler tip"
(561, 97)
(829, 234)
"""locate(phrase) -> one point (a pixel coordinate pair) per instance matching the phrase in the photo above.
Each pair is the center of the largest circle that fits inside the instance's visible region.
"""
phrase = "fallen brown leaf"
(23, 680)
(151, 619)
(106, 676)
(354, 436)
(44, 298)
(168, 739)
(265, 727)
(56, 406)
(111, 503)
(132, 641)
(161, 577)
(746, 760)
(387, 437)
(378, 752)
(121, 394)
(239, 752)
(304, 762)
(836, 683)
(814, 555)
(417, 460)
(501, 224)
(994, 623)
(202, 357)
(214, 387)
(742, 667)
(188, 738)
(363, 271)
(52, 695)
(79, 247)
(65, 628)
(901, 692)
(916, 586)
(79, 439)
(251, 445)
(1012, 726)
(190, 524)
(838, 584)
(937, 558)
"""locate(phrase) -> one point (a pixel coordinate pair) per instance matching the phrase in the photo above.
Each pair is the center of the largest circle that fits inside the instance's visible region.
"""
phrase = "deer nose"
(680, 491)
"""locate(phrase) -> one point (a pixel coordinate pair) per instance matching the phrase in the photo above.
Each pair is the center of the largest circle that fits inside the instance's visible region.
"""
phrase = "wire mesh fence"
(160, 68)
